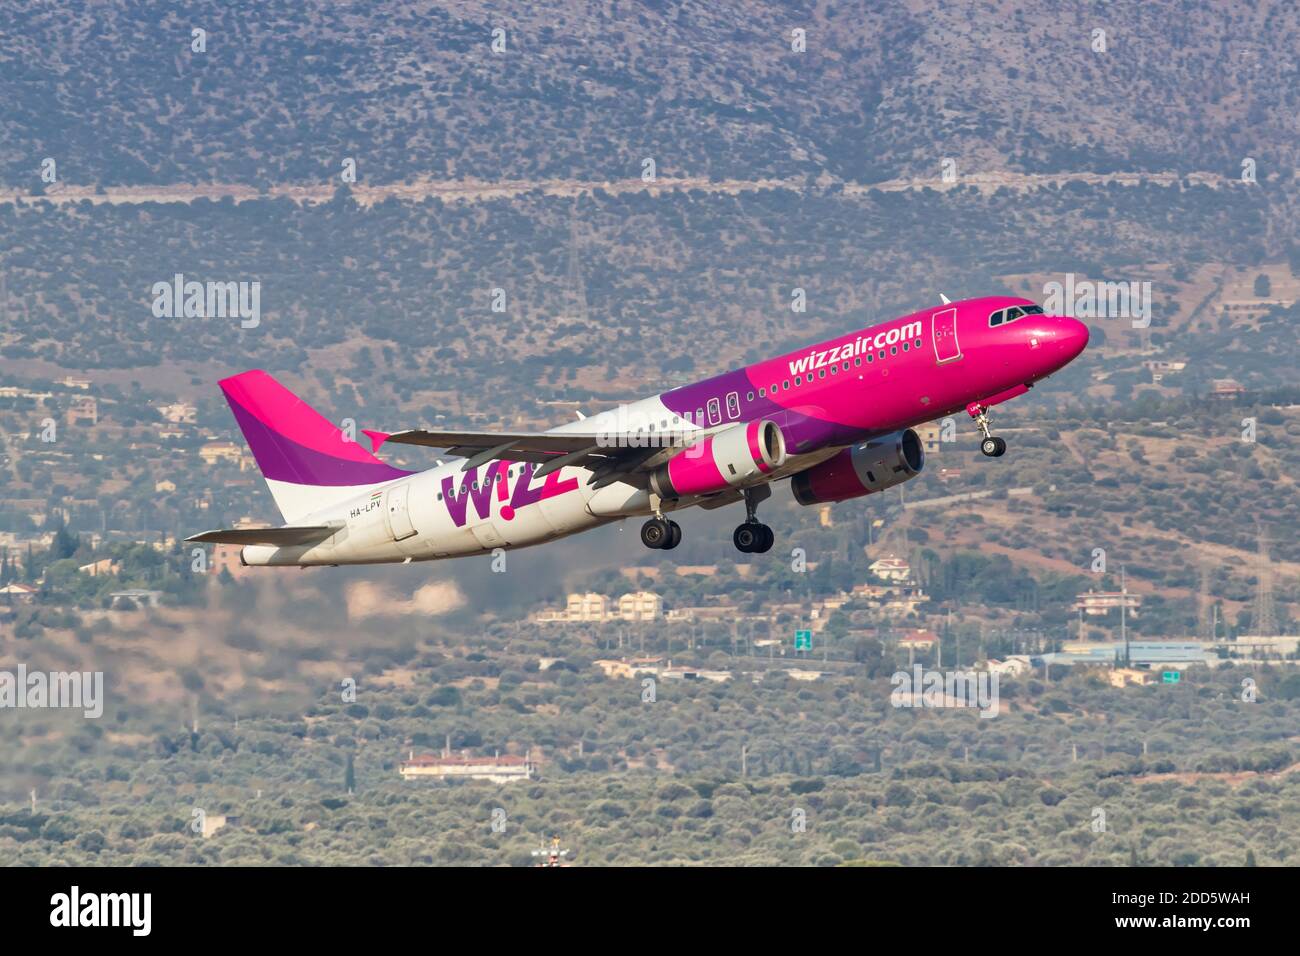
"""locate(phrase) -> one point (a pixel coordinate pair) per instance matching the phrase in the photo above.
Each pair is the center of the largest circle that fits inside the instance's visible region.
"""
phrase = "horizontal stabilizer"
(280, 537)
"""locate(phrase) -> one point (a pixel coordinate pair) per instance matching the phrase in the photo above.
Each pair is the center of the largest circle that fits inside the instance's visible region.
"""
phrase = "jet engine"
(733, 457)
(861, 470)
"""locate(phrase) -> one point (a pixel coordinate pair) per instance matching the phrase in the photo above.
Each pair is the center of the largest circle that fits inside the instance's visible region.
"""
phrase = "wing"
(281, 537)
(610, 456)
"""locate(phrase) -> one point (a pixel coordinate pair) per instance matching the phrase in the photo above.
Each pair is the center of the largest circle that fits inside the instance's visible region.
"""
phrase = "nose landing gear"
(991, 446)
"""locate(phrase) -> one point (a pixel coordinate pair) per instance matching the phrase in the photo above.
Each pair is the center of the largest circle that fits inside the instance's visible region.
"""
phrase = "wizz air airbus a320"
(836, 419)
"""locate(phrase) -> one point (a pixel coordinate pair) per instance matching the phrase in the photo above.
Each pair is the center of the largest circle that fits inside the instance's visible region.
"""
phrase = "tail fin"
(307, 461)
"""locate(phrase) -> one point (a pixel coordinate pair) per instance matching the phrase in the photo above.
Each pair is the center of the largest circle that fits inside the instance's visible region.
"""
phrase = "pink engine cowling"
(734, 456)
(861, 470)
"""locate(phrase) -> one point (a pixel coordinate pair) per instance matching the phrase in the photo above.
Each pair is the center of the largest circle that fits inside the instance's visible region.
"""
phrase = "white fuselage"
(447, 512)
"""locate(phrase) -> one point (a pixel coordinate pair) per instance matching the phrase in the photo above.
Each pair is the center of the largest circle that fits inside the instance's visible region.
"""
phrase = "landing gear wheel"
(747, 537)
(675, 536)
(753, 538)
(656, 533)
(991, 446)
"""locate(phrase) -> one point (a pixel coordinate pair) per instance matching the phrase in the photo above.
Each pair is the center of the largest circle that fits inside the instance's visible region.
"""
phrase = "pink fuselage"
(838, 393)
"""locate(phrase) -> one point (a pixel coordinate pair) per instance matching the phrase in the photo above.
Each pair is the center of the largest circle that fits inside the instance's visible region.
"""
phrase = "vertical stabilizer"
(307, 461)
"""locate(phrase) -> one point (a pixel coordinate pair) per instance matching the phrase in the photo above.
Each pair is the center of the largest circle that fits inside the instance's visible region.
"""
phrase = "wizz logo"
(496, 483)
(863, 343)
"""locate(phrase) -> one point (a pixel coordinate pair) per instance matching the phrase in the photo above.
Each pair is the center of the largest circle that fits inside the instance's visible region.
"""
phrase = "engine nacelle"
(735, 456)
(861, 470)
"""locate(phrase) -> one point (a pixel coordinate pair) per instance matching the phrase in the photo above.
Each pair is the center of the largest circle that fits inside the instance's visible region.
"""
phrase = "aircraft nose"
(1071, 337)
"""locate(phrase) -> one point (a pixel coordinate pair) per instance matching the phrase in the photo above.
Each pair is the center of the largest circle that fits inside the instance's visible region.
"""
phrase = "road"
(470, 190)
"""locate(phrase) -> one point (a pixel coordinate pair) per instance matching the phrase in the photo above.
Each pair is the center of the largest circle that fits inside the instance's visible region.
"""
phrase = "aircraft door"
(733, 405)
(399, 514)
(715, 411)
(944, 332)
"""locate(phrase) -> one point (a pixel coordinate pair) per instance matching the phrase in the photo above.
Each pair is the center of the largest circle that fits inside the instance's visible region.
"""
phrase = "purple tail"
(307, 461)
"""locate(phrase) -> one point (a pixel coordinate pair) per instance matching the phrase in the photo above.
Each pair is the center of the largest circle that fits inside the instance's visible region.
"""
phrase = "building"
(635, 607)
(1013, 666)
(1226, 388)
(690, 672)
(212, 822)
(84, 410)
(931, 435)
(15, 593)
(1159, 368)
(640, 606)
(612, 668)
(1123, 676)
(104, 566)
(225, 557)
(137, 596)
(891, 568)
(918, 640)
(711, 612)
(892, 600)
(1140, 653)
(799, 673)
(496, 769)
(820, 612)
(589, 607)
(180, 413)
(215, 451)
(1097, 603)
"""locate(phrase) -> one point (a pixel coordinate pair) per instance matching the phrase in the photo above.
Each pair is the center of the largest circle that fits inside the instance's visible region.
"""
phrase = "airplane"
(836, 419)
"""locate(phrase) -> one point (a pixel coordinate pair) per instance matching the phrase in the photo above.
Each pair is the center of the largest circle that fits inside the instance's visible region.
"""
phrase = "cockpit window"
(1003, 316)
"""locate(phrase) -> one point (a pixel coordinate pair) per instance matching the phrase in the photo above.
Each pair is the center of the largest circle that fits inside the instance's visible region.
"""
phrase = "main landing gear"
(991, 446)
(753, 537)
(661, 534)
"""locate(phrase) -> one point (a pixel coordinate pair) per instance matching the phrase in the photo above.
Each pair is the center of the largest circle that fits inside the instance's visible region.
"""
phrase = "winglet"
(946, 300)
(376, 438)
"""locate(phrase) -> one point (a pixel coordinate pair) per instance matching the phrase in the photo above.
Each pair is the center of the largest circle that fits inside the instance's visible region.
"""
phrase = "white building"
(496, 769)
(891, 568)
(640, 606)
(587, 607)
